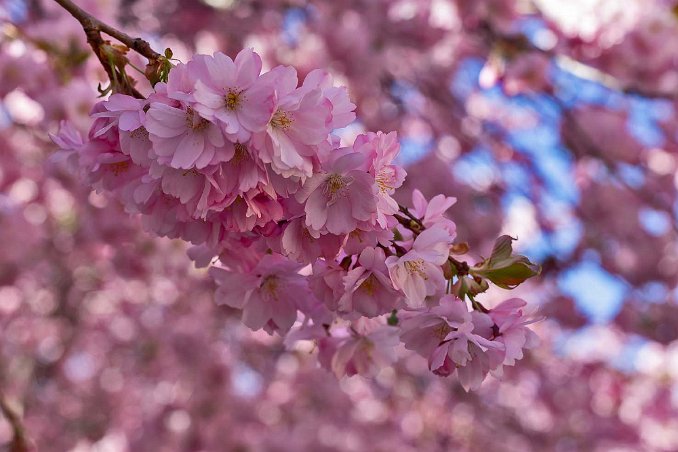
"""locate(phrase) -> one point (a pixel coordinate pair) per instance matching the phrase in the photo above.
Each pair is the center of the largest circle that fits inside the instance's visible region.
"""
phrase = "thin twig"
(93, 28)
(20, 442)
(88, 21)
(410, 215)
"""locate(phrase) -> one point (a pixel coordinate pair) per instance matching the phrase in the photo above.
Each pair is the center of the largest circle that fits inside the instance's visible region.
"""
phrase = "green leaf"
(505, 269)
(502, 248)
(508, 273)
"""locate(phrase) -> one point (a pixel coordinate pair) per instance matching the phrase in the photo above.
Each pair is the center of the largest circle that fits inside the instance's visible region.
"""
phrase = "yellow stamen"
(270, 286)
(383, 182)
(416, 266)
(141, 132)
(233, 99)
(282, 120)
(119, 167)
(369, 285)
(335, 183)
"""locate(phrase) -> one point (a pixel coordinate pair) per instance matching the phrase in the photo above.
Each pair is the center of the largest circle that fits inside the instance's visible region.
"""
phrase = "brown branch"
(88, 21)
(20, 441)
(410, 215)
(461, 267)
(93, 27)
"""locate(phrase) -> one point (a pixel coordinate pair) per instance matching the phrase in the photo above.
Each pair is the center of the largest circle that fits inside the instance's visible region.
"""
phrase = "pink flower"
(183, 139)
(472, 375)
(300, 121)
(100, 159)
(246, 211)
(104, 128)
(197, 191)
(327, 282)
(365, 354)
(163, 214)
(337, 200)
(70, 141)
(452, 338)
(183, 78)
(381, 149)
(137, 145)
(432, 212)
(232, 94)
(513, 332)
(358, 239)
(367, 288)
(267, 295)
(264, 206)
(484, 357)
(423, 331)
(456, 343)
(243, 171)
(113, 172)
(304, 245)
(127, 113)
(418, 273)
(342, 108)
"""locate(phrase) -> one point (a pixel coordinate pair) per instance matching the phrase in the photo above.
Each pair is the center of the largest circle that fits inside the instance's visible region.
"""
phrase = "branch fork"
(112, 57)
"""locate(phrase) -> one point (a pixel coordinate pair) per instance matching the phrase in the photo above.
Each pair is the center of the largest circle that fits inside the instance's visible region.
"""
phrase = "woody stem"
(93, 28)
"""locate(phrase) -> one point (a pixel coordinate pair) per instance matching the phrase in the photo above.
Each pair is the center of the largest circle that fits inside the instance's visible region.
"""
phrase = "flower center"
(356, 235)
(240, 153)
(369, 285)
(383, 180)
(119, 167)
(233, 99)
(141, 132)
(416, 267)
(270, 286)
(336, 184)
(441, 331)
(282, 120)
(194, 121)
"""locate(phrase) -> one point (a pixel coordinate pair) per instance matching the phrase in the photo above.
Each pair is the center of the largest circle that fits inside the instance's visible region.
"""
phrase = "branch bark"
(20, 442)
(93, 28)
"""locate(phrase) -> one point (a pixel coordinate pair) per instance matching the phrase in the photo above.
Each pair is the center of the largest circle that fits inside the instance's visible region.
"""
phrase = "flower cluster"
(475, 343)
(245, 166)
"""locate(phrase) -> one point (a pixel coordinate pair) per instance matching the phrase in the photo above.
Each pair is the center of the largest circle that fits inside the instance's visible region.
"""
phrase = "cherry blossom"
(418, 273)
(267, 294)
(367, 288)
(342, 188)
(181, 137)
(232, 93)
